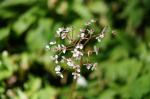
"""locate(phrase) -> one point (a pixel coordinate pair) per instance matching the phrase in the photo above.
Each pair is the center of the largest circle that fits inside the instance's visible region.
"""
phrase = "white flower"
(70, 62)
(58, 48)
(101, 35)
(81, 81)
(63, 59)
(75, 75)
(55, 58)
(47, 47)
(61, 47)
(77, 68)
(88, 66)
(59, 31)
(63, 35)
(93, 21)
(77, 54)
(62, 32)
(57, 70)
(82, 35)
(52, 42)
(79, 46)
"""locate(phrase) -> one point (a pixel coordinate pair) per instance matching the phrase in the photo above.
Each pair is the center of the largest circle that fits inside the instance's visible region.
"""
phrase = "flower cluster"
(73, 54)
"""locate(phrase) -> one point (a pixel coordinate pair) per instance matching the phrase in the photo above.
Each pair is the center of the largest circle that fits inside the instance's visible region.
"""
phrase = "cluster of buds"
(73, 53)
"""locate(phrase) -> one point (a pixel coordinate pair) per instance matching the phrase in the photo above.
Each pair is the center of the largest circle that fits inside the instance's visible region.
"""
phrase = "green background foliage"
(26, 71)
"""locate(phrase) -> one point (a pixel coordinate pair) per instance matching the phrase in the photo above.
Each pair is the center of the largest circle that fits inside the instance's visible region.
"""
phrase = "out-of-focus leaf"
(7, 14)
(138, 87)
(98, 7)
(7, 3)
(5, 74)
(37, 38)
(147, 35)
(4, 32)
(62, 9)
(36, 84)
(21, 94)
(134, 21)
(24, 21)
(108, 94)
(125, 70)
(82, 10)
(118, 53)
(45, 93)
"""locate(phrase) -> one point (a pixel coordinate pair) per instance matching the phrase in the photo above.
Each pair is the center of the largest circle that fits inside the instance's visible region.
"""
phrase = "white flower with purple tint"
(70, 62)
(77, 54)
(75, 51)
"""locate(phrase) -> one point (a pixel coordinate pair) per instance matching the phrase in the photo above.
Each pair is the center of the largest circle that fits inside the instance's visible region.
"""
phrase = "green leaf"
(4, 32)
(24, 21)
(7, 3)
(98, 7)
(37, 38)
(107, 94)
(82, 10)
(138, 88)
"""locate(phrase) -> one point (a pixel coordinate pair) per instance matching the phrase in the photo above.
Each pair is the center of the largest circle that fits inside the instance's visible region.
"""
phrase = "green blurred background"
(26, 71)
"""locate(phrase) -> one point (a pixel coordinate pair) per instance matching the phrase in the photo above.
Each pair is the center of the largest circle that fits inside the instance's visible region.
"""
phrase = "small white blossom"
(52, 42)
(75, 75)
(58, 48)
(59, 31)
(55, 58)
(81, 81)
(63, 35)
(62, 32)
(82, 35)
(63, 59)
(88, 66)
(101, 35)
(79, 46)
(77, 54)
(57, 70)
(77, 68)
(47, 47)
(61, 48)
(70, 62)
(93, 21)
